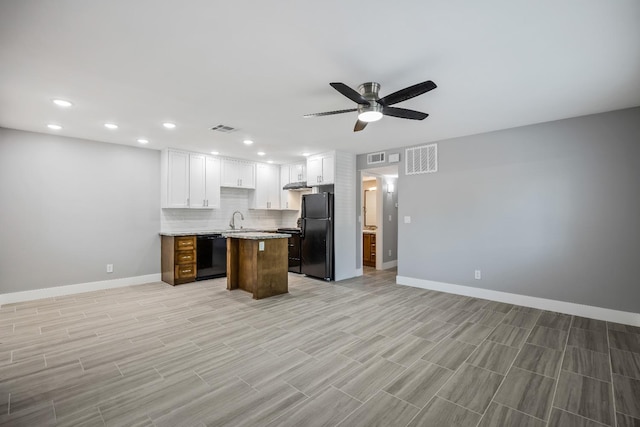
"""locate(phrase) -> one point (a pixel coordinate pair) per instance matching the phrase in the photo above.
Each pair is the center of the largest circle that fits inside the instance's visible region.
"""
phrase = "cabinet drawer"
(185, 271)
(185, 257)
(185, 243)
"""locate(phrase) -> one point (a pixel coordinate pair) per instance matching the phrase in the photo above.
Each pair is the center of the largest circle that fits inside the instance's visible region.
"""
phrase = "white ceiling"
(259, 66)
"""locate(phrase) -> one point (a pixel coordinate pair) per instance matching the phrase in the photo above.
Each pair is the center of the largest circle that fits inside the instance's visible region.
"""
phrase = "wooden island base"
(263, 273)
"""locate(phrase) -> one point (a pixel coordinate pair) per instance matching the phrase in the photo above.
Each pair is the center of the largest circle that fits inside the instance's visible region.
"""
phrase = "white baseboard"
(77, 288)
(359, 272)
(389, 264)
(592, 312)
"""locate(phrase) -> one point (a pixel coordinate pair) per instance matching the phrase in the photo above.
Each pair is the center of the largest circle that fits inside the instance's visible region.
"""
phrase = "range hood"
(296, 186)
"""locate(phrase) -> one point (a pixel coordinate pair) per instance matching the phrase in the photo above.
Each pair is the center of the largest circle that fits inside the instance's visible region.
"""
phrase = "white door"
(314, 171)
(327, 169)
(177, 180)
(212, 182)
(197, 181)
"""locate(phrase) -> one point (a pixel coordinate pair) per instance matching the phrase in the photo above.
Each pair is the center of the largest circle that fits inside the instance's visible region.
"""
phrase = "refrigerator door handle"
(302, 228)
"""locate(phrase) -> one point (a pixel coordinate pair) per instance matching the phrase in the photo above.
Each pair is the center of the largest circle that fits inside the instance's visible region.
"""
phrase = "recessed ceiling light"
(261, 153)
(62, 103)
(111, 126)
(306, 154)
(169, 125)
(54, 127)
(143, 141)
(269, 161)
(248, 141)
(215, 153)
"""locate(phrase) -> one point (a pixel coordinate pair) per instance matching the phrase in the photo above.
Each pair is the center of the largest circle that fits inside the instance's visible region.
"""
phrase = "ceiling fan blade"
(407, 93)
(359, 126)
(349, 93)
(403, 113)
(330, 113)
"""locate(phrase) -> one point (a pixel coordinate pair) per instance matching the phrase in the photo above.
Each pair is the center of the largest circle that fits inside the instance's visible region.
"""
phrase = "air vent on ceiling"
(223, 128)
(374, 158)
(421, 159)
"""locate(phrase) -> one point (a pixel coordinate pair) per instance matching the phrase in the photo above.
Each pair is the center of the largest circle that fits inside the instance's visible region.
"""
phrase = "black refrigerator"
(317, 235)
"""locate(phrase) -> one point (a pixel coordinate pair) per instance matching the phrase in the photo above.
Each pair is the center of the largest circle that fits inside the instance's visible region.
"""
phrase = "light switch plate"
(261, 246)
(407, 219)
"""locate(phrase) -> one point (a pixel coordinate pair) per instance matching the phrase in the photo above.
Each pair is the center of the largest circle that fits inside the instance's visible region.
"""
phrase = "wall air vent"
(223, 129)
(422, 159)
(374, 158)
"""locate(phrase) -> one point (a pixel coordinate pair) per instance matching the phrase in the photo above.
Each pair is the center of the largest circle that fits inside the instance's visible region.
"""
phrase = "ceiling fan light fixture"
(370, 116)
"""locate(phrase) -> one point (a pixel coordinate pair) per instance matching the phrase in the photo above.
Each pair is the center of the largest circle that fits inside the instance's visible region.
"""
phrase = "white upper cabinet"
(190, 180)
(204, 179)
(267, 194)
(238, 174)
(320, 169)
(175, 179)
(212, 182)
(297, 172)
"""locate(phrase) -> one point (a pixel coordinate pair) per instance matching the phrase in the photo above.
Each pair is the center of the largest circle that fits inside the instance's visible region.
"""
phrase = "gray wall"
(70, 206)
(550, 210)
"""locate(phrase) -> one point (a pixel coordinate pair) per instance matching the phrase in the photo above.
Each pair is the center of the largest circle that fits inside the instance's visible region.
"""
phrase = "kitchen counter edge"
(205, 232)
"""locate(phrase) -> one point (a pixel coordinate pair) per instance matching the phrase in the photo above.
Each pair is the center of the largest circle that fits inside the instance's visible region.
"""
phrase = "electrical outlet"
(478, 275)
(261, 246)
(389, 252)
(109, 268)
(389, 218)
(407, 220)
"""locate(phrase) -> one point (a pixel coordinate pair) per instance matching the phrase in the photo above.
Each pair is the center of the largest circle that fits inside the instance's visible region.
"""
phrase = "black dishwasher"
(211, 252)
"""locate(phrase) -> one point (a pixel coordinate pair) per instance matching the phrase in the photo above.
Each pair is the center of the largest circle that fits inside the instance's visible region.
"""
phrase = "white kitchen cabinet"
(204, 182)
(238, 174)
(297, 172)
(175, 174)
(320, 169)
(290, 199)
(190, 180)
(267, 193)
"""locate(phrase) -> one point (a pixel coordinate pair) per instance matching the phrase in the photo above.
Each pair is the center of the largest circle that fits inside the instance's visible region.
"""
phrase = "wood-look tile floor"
(362, 352)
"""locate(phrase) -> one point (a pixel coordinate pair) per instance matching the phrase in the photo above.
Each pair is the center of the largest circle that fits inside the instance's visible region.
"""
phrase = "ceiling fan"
(371, 107)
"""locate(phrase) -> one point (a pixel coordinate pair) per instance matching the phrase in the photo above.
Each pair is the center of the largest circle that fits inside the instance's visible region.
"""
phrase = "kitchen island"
(258, 263)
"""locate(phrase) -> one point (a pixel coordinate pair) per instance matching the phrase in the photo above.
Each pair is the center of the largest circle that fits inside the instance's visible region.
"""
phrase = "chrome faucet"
(232, 223)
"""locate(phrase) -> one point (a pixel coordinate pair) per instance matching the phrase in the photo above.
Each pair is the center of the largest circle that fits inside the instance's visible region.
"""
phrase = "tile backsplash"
(231, 199)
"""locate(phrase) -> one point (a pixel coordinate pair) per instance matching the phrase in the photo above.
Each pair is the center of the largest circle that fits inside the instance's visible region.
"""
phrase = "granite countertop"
(257, 235)
(214, 231)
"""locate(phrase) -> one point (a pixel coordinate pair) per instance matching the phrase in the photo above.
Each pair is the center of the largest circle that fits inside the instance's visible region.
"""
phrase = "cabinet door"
(314, 171)
(237, 173)
(297, 172)
(212, 182)
(197, 181)
(284, 180)
(177, 180)
(273, 189)
(366, 249)
(261, 193)
(229, 176)
(247, 175)
(327, 170)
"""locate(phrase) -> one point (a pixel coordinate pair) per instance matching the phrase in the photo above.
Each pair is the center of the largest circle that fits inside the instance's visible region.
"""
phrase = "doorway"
(379, 213)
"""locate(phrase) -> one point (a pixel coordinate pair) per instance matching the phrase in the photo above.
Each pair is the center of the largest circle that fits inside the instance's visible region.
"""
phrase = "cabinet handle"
(187, 201)
(204, 203)
(240, 182)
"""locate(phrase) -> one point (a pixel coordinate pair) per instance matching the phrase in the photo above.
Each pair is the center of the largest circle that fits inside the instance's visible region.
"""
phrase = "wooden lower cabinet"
(369, 249)
(178, 259)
